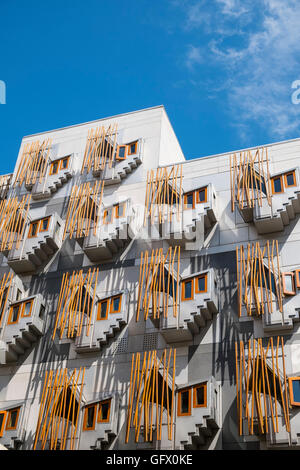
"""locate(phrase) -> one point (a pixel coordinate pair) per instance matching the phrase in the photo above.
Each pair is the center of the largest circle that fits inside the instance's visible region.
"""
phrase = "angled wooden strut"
(100, 149)
(59, 409)
(250, 178)
(261, 385)
(13, 218)
(5, 286)
(259, 280)
(33, 163)
(159, 283)
(163, 194)
(83, 213)
(151, 392)
(76, 303)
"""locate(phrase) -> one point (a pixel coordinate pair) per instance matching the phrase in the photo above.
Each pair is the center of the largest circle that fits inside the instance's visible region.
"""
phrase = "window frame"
(123, 204)
(39, 223)
(125, 153)
(184, 281)
(185, 196)
(105, 222)
(197, 291)
(10, 428)
(19, 305)
(197, 195)
(59, 162)
(281, 182)
(99, 309)
(189, 412)
(111, 304)
(292, 172)
(291, 391)
(195, 387)
(285, 291)
(3, 412)
(23, 308)
(297, 278)
(102, 402)
(85, 417)
(135, 143)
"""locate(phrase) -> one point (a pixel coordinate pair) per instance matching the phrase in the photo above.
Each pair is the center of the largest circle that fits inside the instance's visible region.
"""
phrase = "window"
(189, 200)
(104, 411)
(121, 152)
(288, 283)
(200, 396)
(22, 309)
(26, 311)
(120, 210)
(57, 165)
(294, 389)
(184, 402)
(13, 314)
(290, 179)
(201, 195)
(116, 211)
(2, 422)
(132, 148)
(277, 186)
(201, 284)
(12, 418)
(102, 313)
(89, 417)
(37, 226)
(42, 312)
(108, 216)
(115, 304)
(187, 290)
(297, 275)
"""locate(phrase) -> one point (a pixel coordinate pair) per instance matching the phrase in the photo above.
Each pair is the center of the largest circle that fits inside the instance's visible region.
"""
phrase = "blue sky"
(222, 68)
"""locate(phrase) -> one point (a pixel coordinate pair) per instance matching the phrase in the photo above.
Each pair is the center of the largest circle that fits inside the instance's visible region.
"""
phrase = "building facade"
(146, 301)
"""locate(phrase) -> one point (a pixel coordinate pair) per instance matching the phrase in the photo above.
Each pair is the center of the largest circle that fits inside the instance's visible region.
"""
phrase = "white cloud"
(193, 56)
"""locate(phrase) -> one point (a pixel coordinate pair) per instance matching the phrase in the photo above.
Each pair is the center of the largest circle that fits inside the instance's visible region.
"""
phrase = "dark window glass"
(277, 184)
(132, 148)
(188, 289)
(15, 314)
(90, 417)
(103, 412)
(201, 195)
(103, 309)
(296, 390)
(189, 200)
(54, 167)
(290, 180)
(64, 163)
(44, 224)
(115, 304)
(12, 418)
(42, 312)
(122, 152)
(201, 283)
(200, 396)
(19, 294)
(3, 300)
(34, 227)
(27, 308)
(184, 396)
(1, 420)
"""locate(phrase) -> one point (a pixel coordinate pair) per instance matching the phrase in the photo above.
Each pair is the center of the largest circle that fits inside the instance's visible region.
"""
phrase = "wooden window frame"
(111, 304)
(23, 308)
(99, 409)
(202, 385)
(123, 204)
(183, 297)
(19, 305)
(189, 412)
(285, 179)
(85, 417)
(196, 284)
(10, 428)
(41, 223)
(30, 229)
(185, 196)
(135, 147)
(59, 162)
(3, 412)
(51, 172)
(105, 222)
(273, 187)
(292, 401)
(125, 153)
(99, 309)
(197, 195)
(297, 277)
(285, 291)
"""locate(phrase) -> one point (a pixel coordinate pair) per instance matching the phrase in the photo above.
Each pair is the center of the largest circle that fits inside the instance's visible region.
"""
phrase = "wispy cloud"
(193, 56)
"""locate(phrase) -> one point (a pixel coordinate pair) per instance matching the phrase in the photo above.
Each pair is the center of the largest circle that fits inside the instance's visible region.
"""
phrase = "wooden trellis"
(156, 280)
(250, 178)
(4, 185)
(13, 216)
(33, 162)
(5, 286)
(59, 409)
(163, 192)
(76, 302)
(83, 210)
(261, 385)
(259, 283)
(100, 148)
(148, 396)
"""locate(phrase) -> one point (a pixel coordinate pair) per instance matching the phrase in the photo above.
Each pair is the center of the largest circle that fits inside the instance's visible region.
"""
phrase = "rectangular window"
(200, 396)
(27, 307)
(201, 284)
(201, 195)
(184, 402)
(64, 163)
(290, 179)
(33, 229)
(288, 283)
(104, 411)
(57, 165)
(89, 417)
(121, 152)
(2, 422)
(14, 314)
(54, 168)
(277, 186)
(37, 226)
(187, 292)
(12, 419)
(297, 276)
(120, 210)
(108, 216)
(44, 224)
(102, 313)
(189, 200)
(294, 389)
(115, 304)
(132, 148)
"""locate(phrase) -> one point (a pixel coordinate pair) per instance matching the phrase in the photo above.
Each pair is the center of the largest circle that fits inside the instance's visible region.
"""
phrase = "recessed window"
(201, 195)
(115, 304)
(57, 165)
(290, 179)
(132, 148)
(121, 152)
(187, 289)
(277, 185)
(288, 283)
(33, 229)
(102, 310)
(294, 389)
(201, 284)
(13, 314)
(104, 411)
(120, 210)
(26, 311)
(108, 216)
(54, 168)
(297, 276)
(2, 422)
(89, 417)
(189, 200)
(200, 396)
(184, 402)
(37, 226)
(12, 418)
(22, 309)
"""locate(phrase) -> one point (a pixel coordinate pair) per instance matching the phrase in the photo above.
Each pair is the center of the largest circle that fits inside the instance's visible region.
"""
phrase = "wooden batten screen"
(59, 410)
(259, 282)
(76, 303)
(261, 386)
(156, 280)
(163, 192)
(83, 211)
(250, 178)
(100, 149)
(5, 286)
(13, 216)
(33, 162)
(4, 185)
(148, 396)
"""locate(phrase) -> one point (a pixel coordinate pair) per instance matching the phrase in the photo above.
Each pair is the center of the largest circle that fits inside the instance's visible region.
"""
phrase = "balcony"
(100, 421)
(198, 414)
(12, 425)
(112, 233)
(43, 237)
(194, 309)
(22, 325)
(59, 172)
